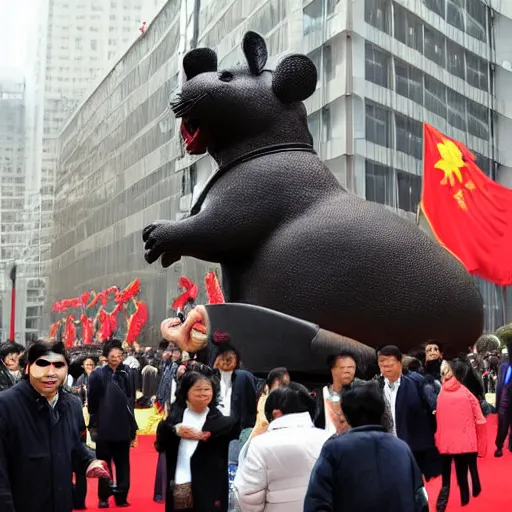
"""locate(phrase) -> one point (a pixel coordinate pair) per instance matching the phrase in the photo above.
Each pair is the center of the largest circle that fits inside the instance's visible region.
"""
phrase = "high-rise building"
(70, 49)
(12, 187)
(384, 67)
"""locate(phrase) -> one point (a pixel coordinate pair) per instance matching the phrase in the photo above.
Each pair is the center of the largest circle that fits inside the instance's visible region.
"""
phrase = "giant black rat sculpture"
(288, 236)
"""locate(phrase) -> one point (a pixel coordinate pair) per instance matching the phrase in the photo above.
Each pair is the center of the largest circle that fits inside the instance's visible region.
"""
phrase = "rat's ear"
(294, 78)
(199, 60)
(255, 51)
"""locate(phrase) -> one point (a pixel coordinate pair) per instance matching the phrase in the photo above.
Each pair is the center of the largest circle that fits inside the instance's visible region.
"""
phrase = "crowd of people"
(231, 440)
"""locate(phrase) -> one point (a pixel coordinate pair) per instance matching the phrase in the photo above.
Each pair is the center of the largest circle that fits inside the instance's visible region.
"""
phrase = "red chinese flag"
(469, 214)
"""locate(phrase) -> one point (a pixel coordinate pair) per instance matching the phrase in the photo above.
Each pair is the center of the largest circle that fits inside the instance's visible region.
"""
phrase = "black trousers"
(160, 478)
(119, 453)
(79, 489)
(504, 428)
(464, 462)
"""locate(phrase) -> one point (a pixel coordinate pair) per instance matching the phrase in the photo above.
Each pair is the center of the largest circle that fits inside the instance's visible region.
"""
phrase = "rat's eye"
(225, 76)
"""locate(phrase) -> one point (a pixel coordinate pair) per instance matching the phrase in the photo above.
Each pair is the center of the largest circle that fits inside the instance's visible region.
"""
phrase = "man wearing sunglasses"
(40, 436)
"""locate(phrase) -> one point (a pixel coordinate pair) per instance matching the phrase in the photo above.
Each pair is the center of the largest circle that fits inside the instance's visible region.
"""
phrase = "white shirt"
(187, 446)
(226, 388)
(390, 393)
(330, 427)
(53, 403)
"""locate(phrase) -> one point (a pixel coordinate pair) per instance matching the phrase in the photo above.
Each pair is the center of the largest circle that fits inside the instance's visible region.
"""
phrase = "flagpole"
(13, 303)
(504, 302)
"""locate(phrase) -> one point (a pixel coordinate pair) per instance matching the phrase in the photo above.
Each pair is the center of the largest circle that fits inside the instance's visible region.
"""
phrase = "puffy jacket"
(461, 426)
(274, 467)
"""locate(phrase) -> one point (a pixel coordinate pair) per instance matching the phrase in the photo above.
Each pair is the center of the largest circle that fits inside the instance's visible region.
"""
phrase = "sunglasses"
(43, 363)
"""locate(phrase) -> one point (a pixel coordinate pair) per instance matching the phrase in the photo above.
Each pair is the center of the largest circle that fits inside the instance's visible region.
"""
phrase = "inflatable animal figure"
(288, 236)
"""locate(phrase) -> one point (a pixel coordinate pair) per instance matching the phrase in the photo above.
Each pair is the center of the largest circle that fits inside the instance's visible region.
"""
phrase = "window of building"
(329, 66)
(379, 183)
(378, 125)
(314, 128)
(437, 6)
(409, 136)
(478, 120)
(456, 110)
(377, 14)
(94, 44)
(455, 13)
(408, 28)
(477, 71)
(312, 18)
(408, 191)
(435, 46)
(376, 65)
(331, 6)
(435, 96)
(455, 59)
(483, 163)
(409, 81)
(326, 124)
(476, 19)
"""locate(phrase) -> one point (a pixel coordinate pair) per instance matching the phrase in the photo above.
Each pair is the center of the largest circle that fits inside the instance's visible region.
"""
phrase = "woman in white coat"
(275, 467)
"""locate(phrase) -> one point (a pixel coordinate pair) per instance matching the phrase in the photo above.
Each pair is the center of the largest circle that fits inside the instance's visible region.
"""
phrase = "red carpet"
(494, 475)
(143, 470)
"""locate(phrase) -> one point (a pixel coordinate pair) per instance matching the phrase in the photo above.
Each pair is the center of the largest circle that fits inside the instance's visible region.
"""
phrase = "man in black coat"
(10, 370)
(411, 408)
(366, 469)
(40, 437)
(111, 401)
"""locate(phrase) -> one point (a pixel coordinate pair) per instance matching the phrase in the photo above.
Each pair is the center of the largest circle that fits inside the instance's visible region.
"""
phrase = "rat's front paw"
(157, 239)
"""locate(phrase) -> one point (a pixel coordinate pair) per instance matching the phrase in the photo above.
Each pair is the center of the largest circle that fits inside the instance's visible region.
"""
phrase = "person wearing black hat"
(111, 401)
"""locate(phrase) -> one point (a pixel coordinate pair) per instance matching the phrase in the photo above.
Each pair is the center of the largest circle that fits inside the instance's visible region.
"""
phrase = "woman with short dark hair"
(195, 438)
(10, 369)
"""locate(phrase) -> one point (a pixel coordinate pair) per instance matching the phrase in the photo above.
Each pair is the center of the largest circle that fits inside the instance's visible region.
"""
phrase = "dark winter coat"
(6, 379)
(111, 401)
(415, 423)
(319, 419)
(244, 397)
(209, 464)
(365, 470)
(502, 399)
(38, 450)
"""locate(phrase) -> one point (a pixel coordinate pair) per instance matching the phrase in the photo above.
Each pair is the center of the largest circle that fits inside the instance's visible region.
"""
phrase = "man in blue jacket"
(504, 404)
(366, 469)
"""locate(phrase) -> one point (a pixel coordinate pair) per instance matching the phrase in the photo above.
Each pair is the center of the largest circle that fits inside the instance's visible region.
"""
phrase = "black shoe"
(158, 499)
(477, 489)
(464, 497)
(103, 504)
(442, 499)
(124, 504)
(498, 453)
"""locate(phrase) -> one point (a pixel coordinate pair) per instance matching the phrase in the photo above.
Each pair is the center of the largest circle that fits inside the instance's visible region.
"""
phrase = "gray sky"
(17, 19)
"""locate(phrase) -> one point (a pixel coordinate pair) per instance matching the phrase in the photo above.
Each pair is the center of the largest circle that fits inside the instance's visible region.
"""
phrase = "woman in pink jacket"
(461, 433)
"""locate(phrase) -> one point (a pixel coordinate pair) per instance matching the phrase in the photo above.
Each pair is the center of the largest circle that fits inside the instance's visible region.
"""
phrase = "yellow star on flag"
(450, 163)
